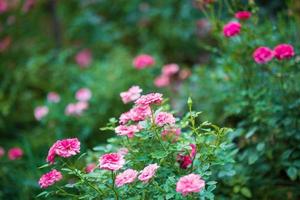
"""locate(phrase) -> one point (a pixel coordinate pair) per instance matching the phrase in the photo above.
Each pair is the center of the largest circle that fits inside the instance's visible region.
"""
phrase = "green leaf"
(292, 173)
(211, 183)
(159, 154)
(246, 192)
(252, 158)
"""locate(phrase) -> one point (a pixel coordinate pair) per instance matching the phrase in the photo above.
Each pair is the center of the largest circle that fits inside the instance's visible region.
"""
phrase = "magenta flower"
(3, 6)
(147, 100)
(83, 94)
(162, 81)
(163, 118)
(284, 51)
(189, 184)
(53, 97)
(111, 161)
(15, 153)
(128, 176)
(84, 58)
(40, 112)
(232, 29)
(142, 61)
(186, 160)
(263, 55)
(131, 95)
(50, 178)
(243, 15)
(148, 172)
(129, 131)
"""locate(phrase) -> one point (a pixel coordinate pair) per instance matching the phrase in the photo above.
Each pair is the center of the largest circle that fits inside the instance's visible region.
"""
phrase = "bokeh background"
(63, 46)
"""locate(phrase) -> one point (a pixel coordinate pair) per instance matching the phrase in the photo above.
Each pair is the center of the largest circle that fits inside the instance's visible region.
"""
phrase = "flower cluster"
(131, 95)
(13, 153)
(82, 96)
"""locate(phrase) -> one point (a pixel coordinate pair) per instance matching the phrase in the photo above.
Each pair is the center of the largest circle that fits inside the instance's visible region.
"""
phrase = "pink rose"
(84, 58)
(148, 172)
(50, 178)
(143, 61)
(83, 94)
(3, 6)
(40, 112)
(243, 15)
(131, 95)
(170, 69)
(232, 29)
(64, 148)
(129, 131)
(128, 176)
(2, 152)
(284, 51)
(190, 183)
(111, 161)
(262, 55)
(137, 113)
(147, 100)
(53, 97)
(90, 168)
(186, 160)
(76, 109)
(162, 81)
(163, 118)
(15, 153)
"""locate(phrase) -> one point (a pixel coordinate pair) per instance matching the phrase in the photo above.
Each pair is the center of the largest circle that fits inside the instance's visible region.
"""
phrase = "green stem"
(113, 185)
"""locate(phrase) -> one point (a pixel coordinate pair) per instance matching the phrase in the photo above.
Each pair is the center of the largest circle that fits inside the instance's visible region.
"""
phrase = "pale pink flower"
(232, 29)
(15, 153)
(83, 94)
(163, 118)
(123, 151)
(111, 161)
(162, 81)
(171, 133)
(128, 176)
(131, 95)
(71, 109)
(2, 152)
(28, 5)
(142, 61)
(262, 55)
(129, 131)
(284, 51)
(84, 58)
(53, 97)
(76, 109)
(170, 69)
(50, 178)
(148, 172)
(243, 15)
(90, 168)
(40, 112)
(64, 148)
(3, 6)
(139, 113)
(189, 184)
(152, 98)
(125, 117)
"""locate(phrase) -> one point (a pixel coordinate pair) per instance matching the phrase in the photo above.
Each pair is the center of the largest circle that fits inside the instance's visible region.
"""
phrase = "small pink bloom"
(170, 69)
(139, 113)
(284, 51)
(53, 97)
(143, 61)
(162, 81)
(163, 118)
(128, 176)
(148, 172)
(50, 178)
(70, 109)
(124, 118)
(3, 6)
(63, 148)
(40, 112)
(129, 131)
(171, 133)
(123, 151)
(83, 94)
(152, 98)
(262, 55)
(2, 152)
(190, 183)
(111, 161)
(90, 168)
(28, 5)
(15, 153)
(131, 95)
(76, 109)
(232, 29)
(243, 15)
(84, 58)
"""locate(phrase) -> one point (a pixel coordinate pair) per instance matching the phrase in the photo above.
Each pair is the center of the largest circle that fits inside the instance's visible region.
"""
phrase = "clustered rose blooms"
(163, 118)
(232, 29)
(189, 184)
(83, 95)
(111, 161)
(50, 178)
(15, 153)
(142, 61)
(243, 15)
(84, 58)
(53, 97)
(64, 148)
(128, 131)
(3, 6)
(148, 172)
(186, 160)
(131, 95)
(40, 112)
(128, 176)
(168, 71)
